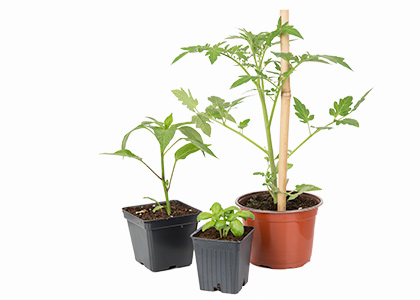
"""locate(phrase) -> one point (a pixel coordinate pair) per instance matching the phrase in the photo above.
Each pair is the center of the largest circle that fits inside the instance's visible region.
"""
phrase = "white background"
(75, 76)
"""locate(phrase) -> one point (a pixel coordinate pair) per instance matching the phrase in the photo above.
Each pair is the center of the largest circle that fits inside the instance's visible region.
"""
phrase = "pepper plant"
(261, 68)
(225, 220)
(164, 132)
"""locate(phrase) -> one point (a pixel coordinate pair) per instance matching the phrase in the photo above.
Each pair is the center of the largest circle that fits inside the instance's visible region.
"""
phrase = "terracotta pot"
(281, 239)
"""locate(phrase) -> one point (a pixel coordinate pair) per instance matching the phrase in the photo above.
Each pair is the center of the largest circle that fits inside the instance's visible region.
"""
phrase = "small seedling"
(164, 132)
(225, 220)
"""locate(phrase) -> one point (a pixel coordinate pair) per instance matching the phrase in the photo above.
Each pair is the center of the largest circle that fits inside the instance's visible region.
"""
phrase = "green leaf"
(302, 189)
(216, 207)
(124, 152)
(186, 99)
(202, 123)
(154, 200)
(191, 133)
(302, 112)
(220, 224)
(322, 128)
(157, 208)
(213, 53)
(286, 28)
(204, 216)
(231, 208)
(202, 147)
(243, 79)
(208, 225)
(168, 121)
(180, 56)
(237, 228)
(185, 150)
(337, 60)
(361, 100)
(243, 124)
(125, 139)
(342, 107)
(164, 136)
(160, 124)
(289, 166)
(245, 214)
(348, 121)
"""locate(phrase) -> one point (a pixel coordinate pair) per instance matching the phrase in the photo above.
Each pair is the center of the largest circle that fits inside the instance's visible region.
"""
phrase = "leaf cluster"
(225, 220)
(164, 132)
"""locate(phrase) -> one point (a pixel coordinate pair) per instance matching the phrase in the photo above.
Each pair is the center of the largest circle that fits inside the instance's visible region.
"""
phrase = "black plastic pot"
(222, 265)
(162, 244)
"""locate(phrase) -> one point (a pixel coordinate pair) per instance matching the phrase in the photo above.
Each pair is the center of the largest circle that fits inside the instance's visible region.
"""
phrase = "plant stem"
(172, 146)
(165, 188)
(237, 132)
(139, 159)
(172, 174)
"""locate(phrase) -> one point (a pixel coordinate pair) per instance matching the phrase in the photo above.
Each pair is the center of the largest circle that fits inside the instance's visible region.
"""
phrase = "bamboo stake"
(284, 118)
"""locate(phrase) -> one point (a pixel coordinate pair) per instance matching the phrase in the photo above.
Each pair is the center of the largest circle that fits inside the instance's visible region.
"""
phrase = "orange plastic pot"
(281, 240)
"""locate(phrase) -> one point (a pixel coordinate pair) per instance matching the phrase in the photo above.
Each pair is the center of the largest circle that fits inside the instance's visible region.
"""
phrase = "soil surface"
(145, 212)
(264, 201)
(213, 233)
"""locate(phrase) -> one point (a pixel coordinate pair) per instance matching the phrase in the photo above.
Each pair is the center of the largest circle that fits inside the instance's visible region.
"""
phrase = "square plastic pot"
(162, 244)
(222, 265)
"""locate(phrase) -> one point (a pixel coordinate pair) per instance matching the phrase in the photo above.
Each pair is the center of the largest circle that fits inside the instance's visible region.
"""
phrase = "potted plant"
(160, 232)
(284, 218)
(222, 249)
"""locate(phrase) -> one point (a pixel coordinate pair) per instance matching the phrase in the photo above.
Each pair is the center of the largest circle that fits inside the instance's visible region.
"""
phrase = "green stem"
(165, 188)
(139, 159)
(172, 174)
(172, 146)
(237, 132)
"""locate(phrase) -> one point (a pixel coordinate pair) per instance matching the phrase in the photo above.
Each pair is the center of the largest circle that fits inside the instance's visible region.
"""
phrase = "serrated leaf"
(337, 60)
(164, 136)
(208, 225)
(342, 107)
(204, 216)
(216, 207)
(243, 124)
(213, 54)
(185, 150)
(300, 189)
(237, 228)
(202, 123)
(361, 100)
(179, 57)
(286, 28)
(186, 98)
(348, 121)
(302, 112)
(245, 214)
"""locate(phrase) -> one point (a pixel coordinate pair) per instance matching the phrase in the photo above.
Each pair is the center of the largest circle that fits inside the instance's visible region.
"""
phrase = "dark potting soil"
(145, 212)
(213, 233)
(264, 201)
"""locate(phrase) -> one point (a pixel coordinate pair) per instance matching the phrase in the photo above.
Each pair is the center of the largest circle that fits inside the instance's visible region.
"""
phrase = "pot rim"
(221, 241)
(162, 219)
(278, 212)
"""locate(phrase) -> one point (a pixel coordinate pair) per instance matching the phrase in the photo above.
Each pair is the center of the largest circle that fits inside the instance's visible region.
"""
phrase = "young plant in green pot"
(222, 249)
(160, 232)
(287, 214)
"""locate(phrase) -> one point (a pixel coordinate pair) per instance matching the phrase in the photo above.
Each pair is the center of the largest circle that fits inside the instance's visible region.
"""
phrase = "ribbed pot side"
(281, 240)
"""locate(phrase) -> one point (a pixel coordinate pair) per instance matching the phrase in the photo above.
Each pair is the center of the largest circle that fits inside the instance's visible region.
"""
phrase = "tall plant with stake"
(164, 132)
(269, 73)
